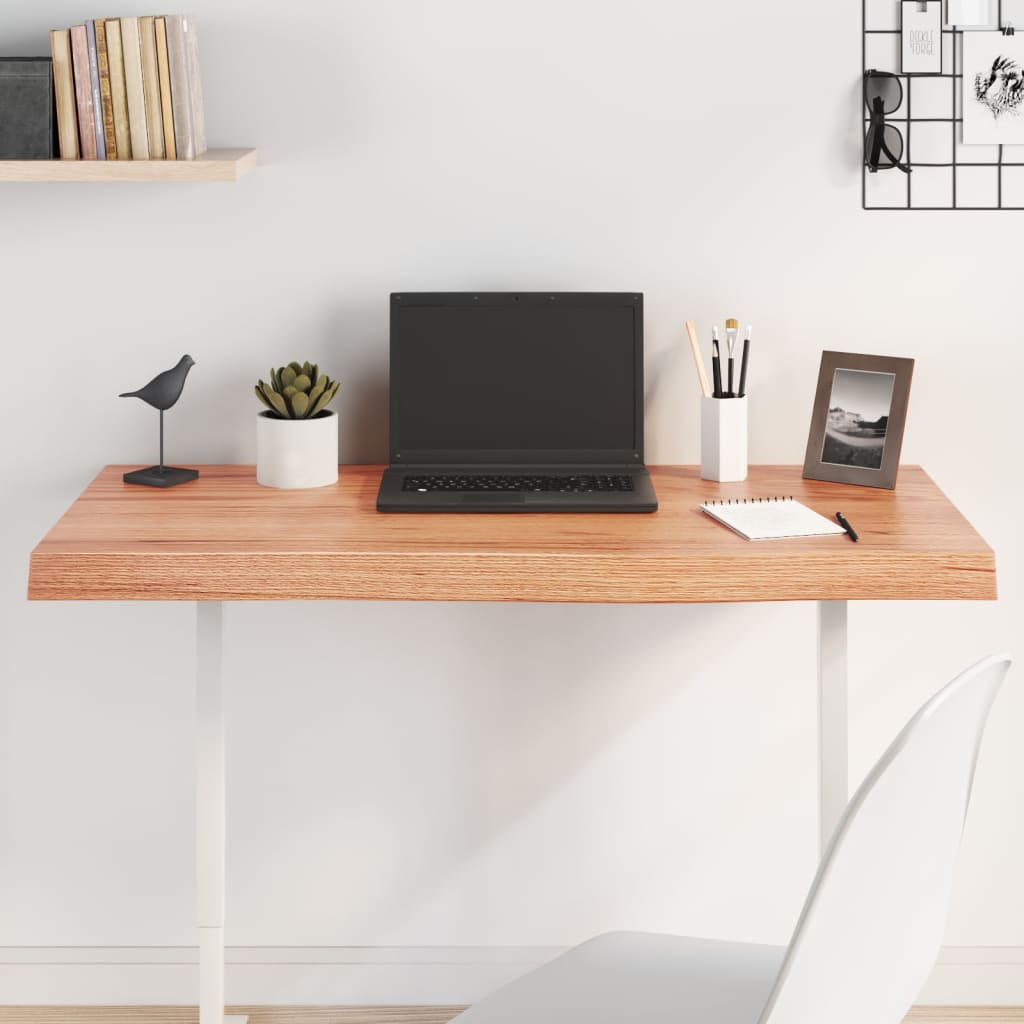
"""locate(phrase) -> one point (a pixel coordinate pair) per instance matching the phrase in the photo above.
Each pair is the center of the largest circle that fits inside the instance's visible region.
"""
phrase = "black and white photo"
(860, 410)
(858, 418)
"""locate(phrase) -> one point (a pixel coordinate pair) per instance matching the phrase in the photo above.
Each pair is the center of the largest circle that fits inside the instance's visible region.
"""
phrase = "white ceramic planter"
(297, 453)
(723, 439)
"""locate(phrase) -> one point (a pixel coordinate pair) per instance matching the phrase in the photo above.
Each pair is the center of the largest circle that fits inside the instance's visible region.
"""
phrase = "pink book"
(83, 92)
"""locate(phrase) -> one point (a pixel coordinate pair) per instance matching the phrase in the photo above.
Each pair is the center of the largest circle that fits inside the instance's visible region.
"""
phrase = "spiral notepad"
(770, 518)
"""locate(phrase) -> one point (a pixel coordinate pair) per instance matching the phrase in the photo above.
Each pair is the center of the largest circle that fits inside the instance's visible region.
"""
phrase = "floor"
(390, 1015)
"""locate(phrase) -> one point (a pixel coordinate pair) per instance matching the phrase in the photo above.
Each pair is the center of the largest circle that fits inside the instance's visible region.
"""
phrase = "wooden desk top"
(224, 538)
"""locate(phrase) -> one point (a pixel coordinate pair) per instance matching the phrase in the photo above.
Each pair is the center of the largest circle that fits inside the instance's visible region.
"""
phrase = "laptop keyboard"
(575, 484)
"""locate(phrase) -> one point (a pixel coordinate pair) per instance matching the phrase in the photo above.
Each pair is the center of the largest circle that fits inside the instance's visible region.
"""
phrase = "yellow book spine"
(151, 88)
(64, 90)
(164, 74)
(118, 91)
(131, 49)
(106, 99)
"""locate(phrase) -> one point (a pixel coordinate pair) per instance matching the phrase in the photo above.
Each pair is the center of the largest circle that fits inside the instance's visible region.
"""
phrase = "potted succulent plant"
(297, 435)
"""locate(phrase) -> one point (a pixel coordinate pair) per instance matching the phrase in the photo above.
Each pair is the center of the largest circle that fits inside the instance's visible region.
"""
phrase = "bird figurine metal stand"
(161, 393)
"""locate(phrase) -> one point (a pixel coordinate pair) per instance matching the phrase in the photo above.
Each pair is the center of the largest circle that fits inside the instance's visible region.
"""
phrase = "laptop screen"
(516, 377)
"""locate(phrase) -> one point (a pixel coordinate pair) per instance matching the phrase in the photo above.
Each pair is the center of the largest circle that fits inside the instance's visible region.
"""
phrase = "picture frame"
(993, 74)
(971, 14)
(860, 412)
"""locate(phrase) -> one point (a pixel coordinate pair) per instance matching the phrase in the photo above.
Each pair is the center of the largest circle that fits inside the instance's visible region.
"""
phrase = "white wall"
(465, 775)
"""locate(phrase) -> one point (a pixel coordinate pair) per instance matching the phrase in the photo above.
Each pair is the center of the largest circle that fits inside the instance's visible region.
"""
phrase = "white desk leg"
(833, 725)
(210, 829)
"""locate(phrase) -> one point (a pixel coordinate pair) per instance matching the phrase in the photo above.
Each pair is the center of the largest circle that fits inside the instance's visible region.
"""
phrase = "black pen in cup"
(743, 363)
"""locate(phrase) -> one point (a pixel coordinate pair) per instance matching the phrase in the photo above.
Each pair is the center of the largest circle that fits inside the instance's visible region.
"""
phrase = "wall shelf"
(213, 165)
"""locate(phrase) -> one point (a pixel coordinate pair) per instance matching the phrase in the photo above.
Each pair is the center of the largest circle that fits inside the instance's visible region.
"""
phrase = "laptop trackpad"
(499, 498)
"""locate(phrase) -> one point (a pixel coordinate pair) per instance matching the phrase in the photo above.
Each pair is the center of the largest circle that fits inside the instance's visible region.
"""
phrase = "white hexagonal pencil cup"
(723, 439)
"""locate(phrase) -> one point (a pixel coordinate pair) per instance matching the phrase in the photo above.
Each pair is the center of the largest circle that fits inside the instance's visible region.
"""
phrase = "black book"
(28, 120)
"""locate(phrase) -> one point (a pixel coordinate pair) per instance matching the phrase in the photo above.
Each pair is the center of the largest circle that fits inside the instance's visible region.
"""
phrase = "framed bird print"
(993, 84)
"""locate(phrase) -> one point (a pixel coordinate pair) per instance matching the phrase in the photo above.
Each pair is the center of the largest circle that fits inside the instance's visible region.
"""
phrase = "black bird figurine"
(165, 388)
(161, 393)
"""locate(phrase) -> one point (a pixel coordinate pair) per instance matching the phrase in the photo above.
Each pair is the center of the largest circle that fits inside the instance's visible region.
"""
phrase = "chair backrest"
(873, 922)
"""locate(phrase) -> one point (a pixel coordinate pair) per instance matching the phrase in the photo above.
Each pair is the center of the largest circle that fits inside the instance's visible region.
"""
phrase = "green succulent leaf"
(279, 404)
(318, 389)
(297, 391)
(324, 400)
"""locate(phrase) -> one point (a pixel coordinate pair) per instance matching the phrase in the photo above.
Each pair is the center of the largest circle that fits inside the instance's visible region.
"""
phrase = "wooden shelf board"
(213, 165)
(225, 538)
(390, 1015)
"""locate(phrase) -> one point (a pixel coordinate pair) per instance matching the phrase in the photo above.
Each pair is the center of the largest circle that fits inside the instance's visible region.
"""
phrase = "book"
(151, 88)
(106, 101)
(181, 98)
(94, 82)
(131, 47)
(195, 84)
(64, 93)
(27, 126)
(771, 518)
(83, 93)
(118, 89)
(186, 86)
(164, 74)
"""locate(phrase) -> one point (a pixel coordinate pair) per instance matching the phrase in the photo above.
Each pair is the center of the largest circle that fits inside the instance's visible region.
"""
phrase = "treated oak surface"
(224, 538)
(256, 1014)
(213, 165)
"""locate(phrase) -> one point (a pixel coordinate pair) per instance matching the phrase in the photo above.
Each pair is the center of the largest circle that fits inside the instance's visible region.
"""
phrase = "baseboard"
(339, 976)
(976, 976)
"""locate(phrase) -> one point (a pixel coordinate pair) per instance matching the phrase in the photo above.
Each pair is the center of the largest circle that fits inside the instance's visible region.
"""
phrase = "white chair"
(869, 932)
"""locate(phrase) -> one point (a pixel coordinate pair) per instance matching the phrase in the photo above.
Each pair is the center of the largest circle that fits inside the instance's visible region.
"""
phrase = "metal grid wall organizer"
(947, 175)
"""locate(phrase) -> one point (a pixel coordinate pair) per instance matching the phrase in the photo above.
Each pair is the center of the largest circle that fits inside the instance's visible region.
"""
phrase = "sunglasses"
(883, 144)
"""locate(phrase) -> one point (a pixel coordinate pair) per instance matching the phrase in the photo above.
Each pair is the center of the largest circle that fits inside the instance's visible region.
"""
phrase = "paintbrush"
(731, 330)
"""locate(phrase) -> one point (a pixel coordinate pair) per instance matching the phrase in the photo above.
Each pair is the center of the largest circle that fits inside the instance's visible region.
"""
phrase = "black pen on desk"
(716, 363)
(743, 364)
(845, 524)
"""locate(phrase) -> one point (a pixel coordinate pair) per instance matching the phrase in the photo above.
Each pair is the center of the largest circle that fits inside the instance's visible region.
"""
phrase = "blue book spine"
(94, 81)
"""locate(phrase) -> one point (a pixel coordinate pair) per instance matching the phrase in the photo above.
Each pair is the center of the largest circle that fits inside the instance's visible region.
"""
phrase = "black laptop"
(517, 402)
